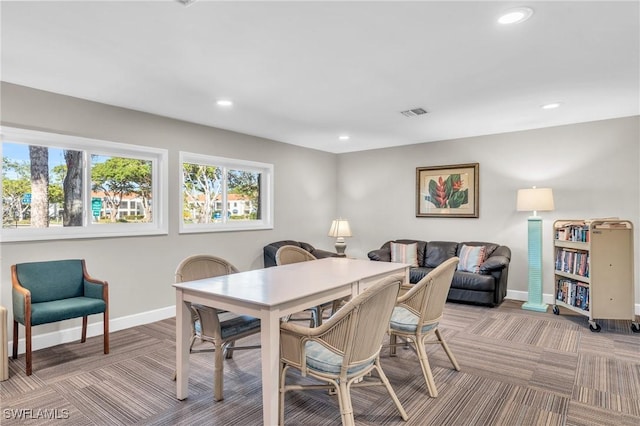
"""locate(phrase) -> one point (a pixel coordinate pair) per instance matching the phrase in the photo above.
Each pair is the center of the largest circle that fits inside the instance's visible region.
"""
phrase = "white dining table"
(270, 294)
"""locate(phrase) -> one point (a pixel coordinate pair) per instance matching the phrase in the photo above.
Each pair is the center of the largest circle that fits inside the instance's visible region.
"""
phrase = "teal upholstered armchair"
(51, 291)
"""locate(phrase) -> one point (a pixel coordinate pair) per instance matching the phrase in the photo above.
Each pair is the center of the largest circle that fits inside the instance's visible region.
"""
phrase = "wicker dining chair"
(292, 254)
(221, 328)
(417, 315)
(344, 350)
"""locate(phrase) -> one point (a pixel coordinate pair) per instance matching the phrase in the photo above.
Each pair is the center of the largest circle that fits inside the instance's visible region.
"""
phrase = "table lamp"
(339, 229)
(535, 200)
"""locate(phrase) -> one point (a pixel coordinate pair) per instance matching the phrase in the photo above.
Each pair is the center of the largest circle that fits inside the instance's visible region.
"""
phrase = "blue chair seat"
(323, 360)
(404, 320)
(234, 326)
(63, 309)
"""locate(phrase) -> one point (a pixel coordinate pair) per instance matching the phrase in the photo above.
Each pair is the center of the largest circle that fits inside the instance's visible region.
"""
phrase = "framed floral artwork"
(447, 191)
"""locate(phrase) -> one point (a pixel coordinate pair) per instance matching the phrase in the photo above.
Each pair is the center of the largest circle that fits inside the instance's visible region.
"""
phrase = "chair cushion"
(474, 282)
(404, 320)
(321, 359)
(51, 280)
(59, 310)
(438, 252)
(238, 325)
(404, 253)
(416, 274)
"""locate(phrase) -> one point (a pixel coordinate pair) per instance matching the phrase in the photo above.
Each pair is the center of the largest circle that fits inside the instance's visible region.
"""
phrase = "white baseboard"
(524, 296)
(546, 298)
(73, 334)
(67, 335)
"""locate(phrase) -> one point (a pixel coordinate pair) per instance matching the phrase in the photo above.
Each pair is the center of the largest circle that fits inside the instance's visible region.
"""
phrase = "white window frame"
(266, 193)
(159, 174)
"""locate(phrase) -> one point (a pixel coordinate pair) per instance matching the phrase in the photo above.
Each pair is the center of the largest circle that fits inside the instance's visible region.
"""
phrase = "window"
(222, 194)
(56, 186)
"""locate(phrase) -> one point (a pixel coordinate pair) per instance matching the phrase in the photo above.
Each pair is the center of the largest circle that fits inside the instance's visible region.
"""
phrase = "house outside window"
(58, 186)
(223, 194)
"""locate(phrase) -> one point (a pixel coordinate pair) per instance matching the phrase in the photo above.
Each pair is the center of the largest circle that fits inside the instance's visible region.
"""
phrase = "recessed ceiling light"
(343, 137)
(224, 102)
(552, 105)
(515, 16)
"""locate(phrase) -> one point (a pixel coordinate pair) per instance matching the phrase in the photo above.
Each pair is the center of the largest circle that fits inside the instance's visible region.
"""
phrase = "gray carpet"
(518, 368)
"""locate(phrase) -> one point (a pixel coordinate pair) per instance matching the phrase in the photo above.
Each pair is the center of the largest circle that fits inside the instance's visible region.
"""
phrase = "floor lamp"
(535, 200)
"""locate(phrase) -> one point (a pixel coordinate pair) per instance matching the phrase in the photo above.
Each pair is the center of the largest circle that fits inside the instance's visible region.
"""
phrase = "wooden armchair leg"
(15, 339)
(27, 328)
(105, 331)
(84, 329)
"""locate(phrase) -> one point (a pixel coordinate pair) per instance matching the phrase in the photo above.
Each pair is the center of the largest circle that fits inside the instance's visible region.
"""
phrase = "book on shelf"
(573, 232)
(573, 293)
(572, 261)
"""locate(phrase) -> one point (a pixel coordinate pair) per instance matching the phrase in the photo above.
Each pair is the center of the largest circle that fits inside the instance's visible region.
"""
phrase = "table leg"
(183, 335)
(270, 341)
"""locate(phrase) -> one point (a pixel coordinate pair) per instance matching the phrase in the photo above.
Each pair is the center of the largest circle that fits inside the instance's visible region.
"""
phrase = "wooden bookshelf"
(593, 269)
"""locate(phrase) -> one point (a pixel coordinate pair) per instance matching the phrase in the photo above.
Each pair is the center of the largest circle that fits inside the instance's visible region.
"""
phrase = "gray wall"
(592, 167)
(140, 269)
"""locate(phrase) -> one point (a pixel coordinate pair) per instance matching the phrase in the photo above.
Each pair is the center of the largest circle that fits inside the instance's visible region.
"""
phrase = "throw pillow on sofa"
(471, 257)
(404, 253)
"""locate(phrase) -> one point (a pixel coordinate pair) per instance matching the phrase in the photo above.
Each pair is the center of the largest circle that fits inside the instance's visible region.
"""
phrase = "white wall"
(140, 269)
(592, 168)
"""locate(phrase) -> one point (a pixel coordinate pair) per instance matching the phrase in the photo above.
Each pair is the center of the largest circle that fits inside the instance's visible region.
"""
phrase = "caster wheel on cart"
(635, 327)
(556, 310)
(595, 329)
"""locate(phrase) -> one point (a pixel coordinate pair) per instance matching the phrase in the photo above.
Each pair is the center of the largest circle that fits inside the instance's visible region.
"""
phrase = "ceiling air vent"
(414, 112)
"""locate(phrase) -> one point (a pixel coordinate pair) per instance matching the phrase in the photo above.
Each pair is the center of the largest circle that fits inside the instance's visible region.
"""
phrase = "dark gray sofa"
(488, 287)
(269, 251)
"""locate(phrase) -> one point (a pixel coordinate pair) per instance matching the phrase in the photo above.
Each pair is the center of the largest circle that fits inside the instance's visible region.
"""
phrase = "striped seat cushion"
(323, 360)
(234, 325)
(404, 320)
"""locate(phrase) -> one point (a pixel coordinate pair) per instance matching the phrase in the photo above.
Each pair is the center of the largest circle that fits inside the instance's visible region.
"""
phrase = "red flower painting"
(447, 192)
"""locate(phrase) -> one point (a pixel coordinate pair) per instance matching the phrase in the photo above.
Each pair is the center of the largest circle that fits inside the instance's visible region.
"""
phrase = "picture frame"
(448, 191)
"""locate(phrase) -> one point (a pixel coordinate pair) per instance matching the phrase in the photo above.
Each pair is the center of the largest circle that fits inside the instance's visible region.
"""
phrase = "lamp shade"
(535, 199)
(340, 228)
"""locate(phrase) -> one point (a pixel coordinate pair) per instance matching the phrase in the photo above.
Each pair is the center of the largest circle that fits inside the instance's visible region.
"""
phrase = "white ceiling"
(306, 72)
